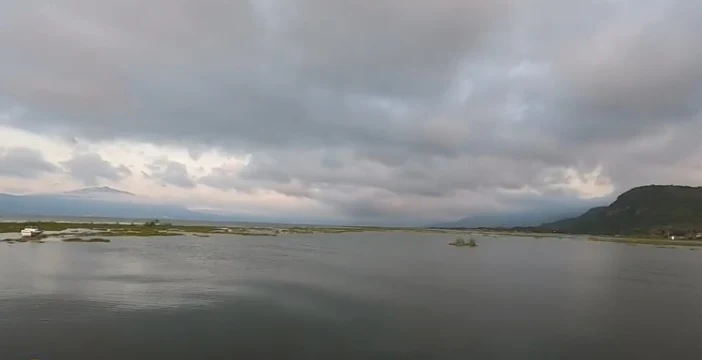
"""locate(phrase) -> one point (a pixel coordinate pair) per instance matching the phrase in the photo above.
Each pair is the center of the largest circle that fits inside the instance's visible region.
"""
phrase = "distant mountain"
(101, 202)
(517, 218)
(652, 209)
(501, 220)
(101, 190)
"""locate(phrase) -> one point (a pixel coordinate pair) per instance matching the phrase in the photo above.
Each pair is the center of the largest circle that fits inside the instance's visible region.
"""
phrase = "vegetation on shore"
(646, 241)
(71, 232)
(157, 228)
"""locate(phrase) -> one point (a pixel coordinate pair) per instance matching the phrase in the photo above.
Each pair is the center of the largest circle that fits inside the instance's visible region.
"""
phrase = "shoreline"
(62, 230)
(646, 241)
(156, 228)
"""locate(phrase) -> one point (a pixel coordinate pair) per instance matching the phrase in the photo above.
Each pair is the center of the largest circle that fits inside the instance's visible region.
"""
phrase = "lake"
(349, 296)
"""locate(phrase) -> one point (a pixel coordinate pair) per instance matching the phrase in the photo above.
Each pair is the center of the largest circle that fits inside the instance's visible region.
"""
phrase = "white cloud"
(263, 199)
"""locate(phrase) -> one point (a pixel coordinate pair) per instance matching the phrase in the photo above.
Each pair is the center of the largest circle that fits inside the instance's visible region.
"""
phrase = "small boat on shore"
(30, 231)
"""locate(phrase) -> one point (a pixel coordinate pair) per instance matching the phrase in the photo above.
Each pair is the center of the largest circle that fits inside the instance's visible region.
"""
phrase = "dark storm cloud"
(394, 102)
(386, 48)
(436, 177)
(89, 168)
(254, 85)
(24, 163)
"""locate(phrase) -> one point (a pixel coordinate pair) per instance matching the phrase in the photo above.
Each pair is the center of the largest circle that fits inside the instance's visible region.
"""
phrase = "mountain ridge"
(529, 212)
(117, 204)
(512, 219)
(99, 201)
(98, 190)
(645, 210)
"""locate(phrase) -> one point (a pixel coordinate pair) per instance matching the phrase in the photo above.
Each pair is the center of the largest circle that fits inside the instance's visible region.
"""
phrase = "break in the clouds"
(380, 110)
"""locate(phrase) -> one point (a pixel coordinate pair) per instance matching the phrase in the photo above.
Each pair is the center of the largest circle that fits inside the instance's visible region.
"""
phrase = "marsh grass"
(157, 229)
(154, 228)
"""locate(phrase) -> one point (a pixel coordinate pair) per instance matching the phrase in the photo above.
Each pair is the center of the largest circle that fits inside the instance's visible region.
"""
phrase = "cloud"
(171, 173)
(90, 169)
(637, 73)
(372, 110)
(24, 162)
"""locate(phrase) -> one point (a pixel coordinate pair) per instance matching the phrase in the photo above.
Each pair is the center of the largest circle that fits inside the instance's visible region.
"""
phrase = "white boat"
(30, 231)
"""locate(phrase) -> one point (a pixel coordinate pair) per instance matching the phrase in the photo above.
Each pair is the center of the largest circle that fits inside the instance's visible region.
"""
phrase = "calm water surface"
(348, 296)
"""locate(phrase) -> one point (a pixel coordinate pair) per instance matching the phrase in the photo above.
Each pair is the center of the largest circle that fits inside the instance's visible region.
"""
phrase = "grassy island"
(460, 242)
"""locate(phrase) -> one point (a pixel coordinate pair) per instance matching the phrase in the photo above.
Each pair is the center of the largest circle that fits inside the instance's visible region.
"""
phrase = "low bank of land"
(99, 232)
(78, 230)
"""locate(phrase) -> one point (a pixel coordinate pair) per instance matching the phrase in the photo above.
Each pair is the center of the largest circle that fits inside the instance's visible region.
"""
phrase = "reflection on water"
(348, 296)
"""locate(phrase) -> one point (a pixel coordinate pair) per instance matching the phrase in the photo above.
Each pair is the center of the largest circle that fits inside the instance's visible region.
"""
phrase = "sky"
(351, 110)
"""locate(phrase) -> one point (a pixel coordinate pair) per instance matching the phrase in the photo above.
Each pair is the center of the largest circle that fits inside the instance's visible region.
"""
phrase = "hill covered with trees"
(646, 210)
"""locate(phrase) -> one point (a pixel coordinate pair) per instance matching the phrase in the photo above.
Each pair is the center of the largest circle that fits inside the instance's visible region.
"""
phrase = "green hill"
(652, 209)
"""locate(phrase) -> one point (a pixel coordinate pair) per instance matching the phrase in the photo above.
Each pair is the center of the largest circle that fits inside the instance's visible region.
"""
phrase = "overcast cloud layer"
(384, 111)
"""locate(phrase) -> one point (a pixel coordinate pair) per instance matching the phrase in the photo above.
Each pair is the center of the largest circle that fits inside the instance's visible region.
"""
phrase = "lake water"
(348, 296)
